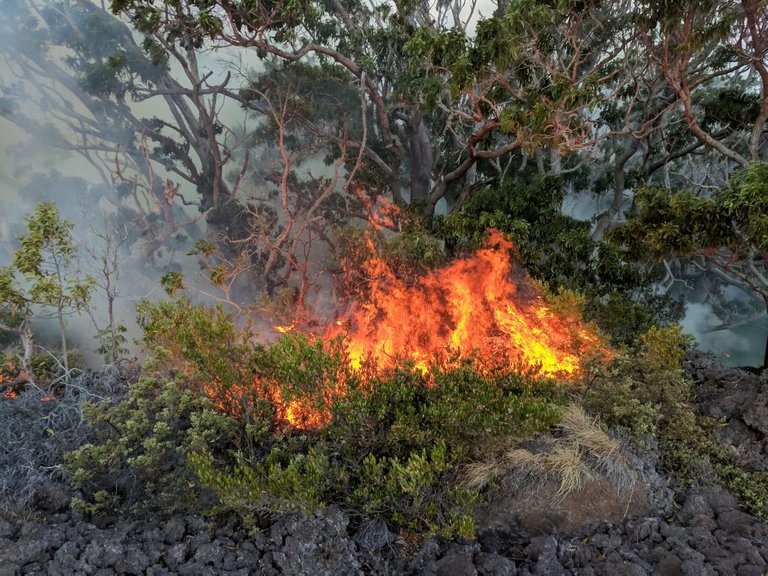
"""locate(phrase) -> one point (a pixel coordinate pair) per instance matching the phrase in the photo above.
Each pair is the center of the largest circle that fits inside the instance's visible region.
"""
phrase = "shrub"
(408, 254)
(390, 445)
(137, 456)
(646, 394)
(750, 485)
(392, 448)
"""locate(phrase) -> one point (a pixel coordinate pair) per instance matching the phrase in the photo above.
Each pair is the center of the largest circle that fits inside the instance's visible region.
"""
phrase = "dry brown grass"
(584, 452)
(478, 475)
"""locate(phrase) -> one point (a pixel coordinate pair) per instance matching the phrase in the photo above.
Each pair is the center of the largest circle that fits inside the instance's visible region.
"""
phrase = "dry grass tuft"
(564, 462)
(584, 452)
(586, 432)
(478, 475)
(602, 452)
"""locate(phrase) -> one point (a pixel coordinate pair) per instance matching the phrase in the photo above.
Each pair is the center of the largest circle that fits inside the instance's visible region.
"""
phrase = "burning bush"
(392, 448)
(377, 412)
(483, 306)
(388, 443)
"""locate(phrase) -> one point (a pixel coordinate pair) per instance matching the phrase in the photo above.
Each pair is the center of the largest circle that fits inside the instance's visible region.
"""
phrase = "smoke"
(40, 160)
(740, 346)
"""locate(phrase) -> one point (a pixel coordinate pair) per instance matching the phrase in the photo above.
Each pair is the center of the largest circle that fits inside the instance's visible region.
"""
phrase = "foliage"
(45, 259)
(136, 458)
(646, 394)
(409, 254)
(391, 446)
(729, 230)
(643, 392)
(112, 342)
(199, 343)
(391, 449)
(750, 485)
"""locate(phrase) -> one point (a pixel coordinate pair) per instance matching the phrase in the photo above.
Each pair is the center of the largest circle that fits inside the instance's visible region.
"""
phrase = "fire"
(8, 371)
(380, 211)
(297, 412)
(481, 307)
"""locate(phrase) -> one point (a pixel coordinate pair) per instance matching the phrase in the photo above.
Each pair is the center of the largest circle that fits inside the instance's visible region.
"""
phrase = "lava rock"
(174, 530)
(491, 564)
(175, 555)
(10, 569)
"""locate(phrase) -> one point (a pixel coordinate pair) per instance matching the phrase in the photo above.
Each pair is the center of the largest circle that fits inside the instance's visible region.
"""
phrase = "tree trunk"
(606, 219)
(421, 159)
(64, 350)
(27, 344)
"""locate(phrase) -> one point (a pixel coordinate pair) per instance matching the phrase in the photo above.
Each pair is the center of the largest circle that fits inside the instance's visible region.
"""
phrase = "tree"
(110, 242)
(76, 75)
(728, 231)
(528, 78)
(53, 288)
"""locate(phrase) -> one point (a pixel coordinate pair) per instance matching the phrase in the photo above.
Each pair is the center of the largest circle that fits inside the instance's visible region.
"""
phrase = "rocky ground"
(701, 531)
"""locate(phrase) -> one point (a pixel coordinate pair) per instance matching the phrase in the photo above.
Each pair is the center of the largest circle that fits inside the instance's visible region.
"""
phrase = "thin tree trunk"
(64, 351)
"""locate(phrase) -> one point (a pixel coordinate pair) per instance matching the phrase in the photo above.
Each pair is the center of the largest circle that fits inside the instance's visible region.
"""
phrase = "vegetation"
(415, 449)
(54, 288)
(392, 448)
(620, 145)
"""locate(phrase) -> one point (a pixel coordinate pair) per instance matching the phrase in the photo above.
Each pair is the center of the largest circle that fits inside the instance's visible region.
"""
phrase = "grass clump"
(583, 451)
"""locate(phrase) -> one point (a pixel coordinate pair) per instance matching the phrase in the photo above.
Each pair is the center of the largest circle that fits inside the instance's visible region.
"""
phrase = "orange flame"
(380, 211)
(482, 308)
(6, 378)
(297, 412)
(470, 308)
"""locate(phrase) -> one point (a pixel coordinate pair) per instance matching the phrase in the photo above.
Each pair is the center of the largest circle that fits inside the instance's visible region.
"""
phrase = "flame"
(482, 308)
(297, 412)
(472, 308)
(7, 372)
(380, 211)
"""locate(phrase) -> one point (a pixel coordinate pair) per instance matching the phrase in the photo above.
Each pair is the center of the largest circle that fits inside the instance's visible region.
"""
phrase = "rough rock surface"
(700, 532)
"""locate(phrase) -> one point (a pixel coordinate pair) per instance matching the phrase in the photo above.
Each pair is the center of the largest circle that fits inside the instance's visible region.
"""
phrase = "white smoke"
(740, 346)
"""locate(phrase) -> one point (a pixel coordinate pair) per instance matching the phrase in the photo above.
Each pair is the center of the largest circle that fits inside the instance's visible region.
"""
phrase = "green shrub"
(392, 447)
(750, 485)
(408, 254)
(137, 454)
(199, 343)
(646, 394)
